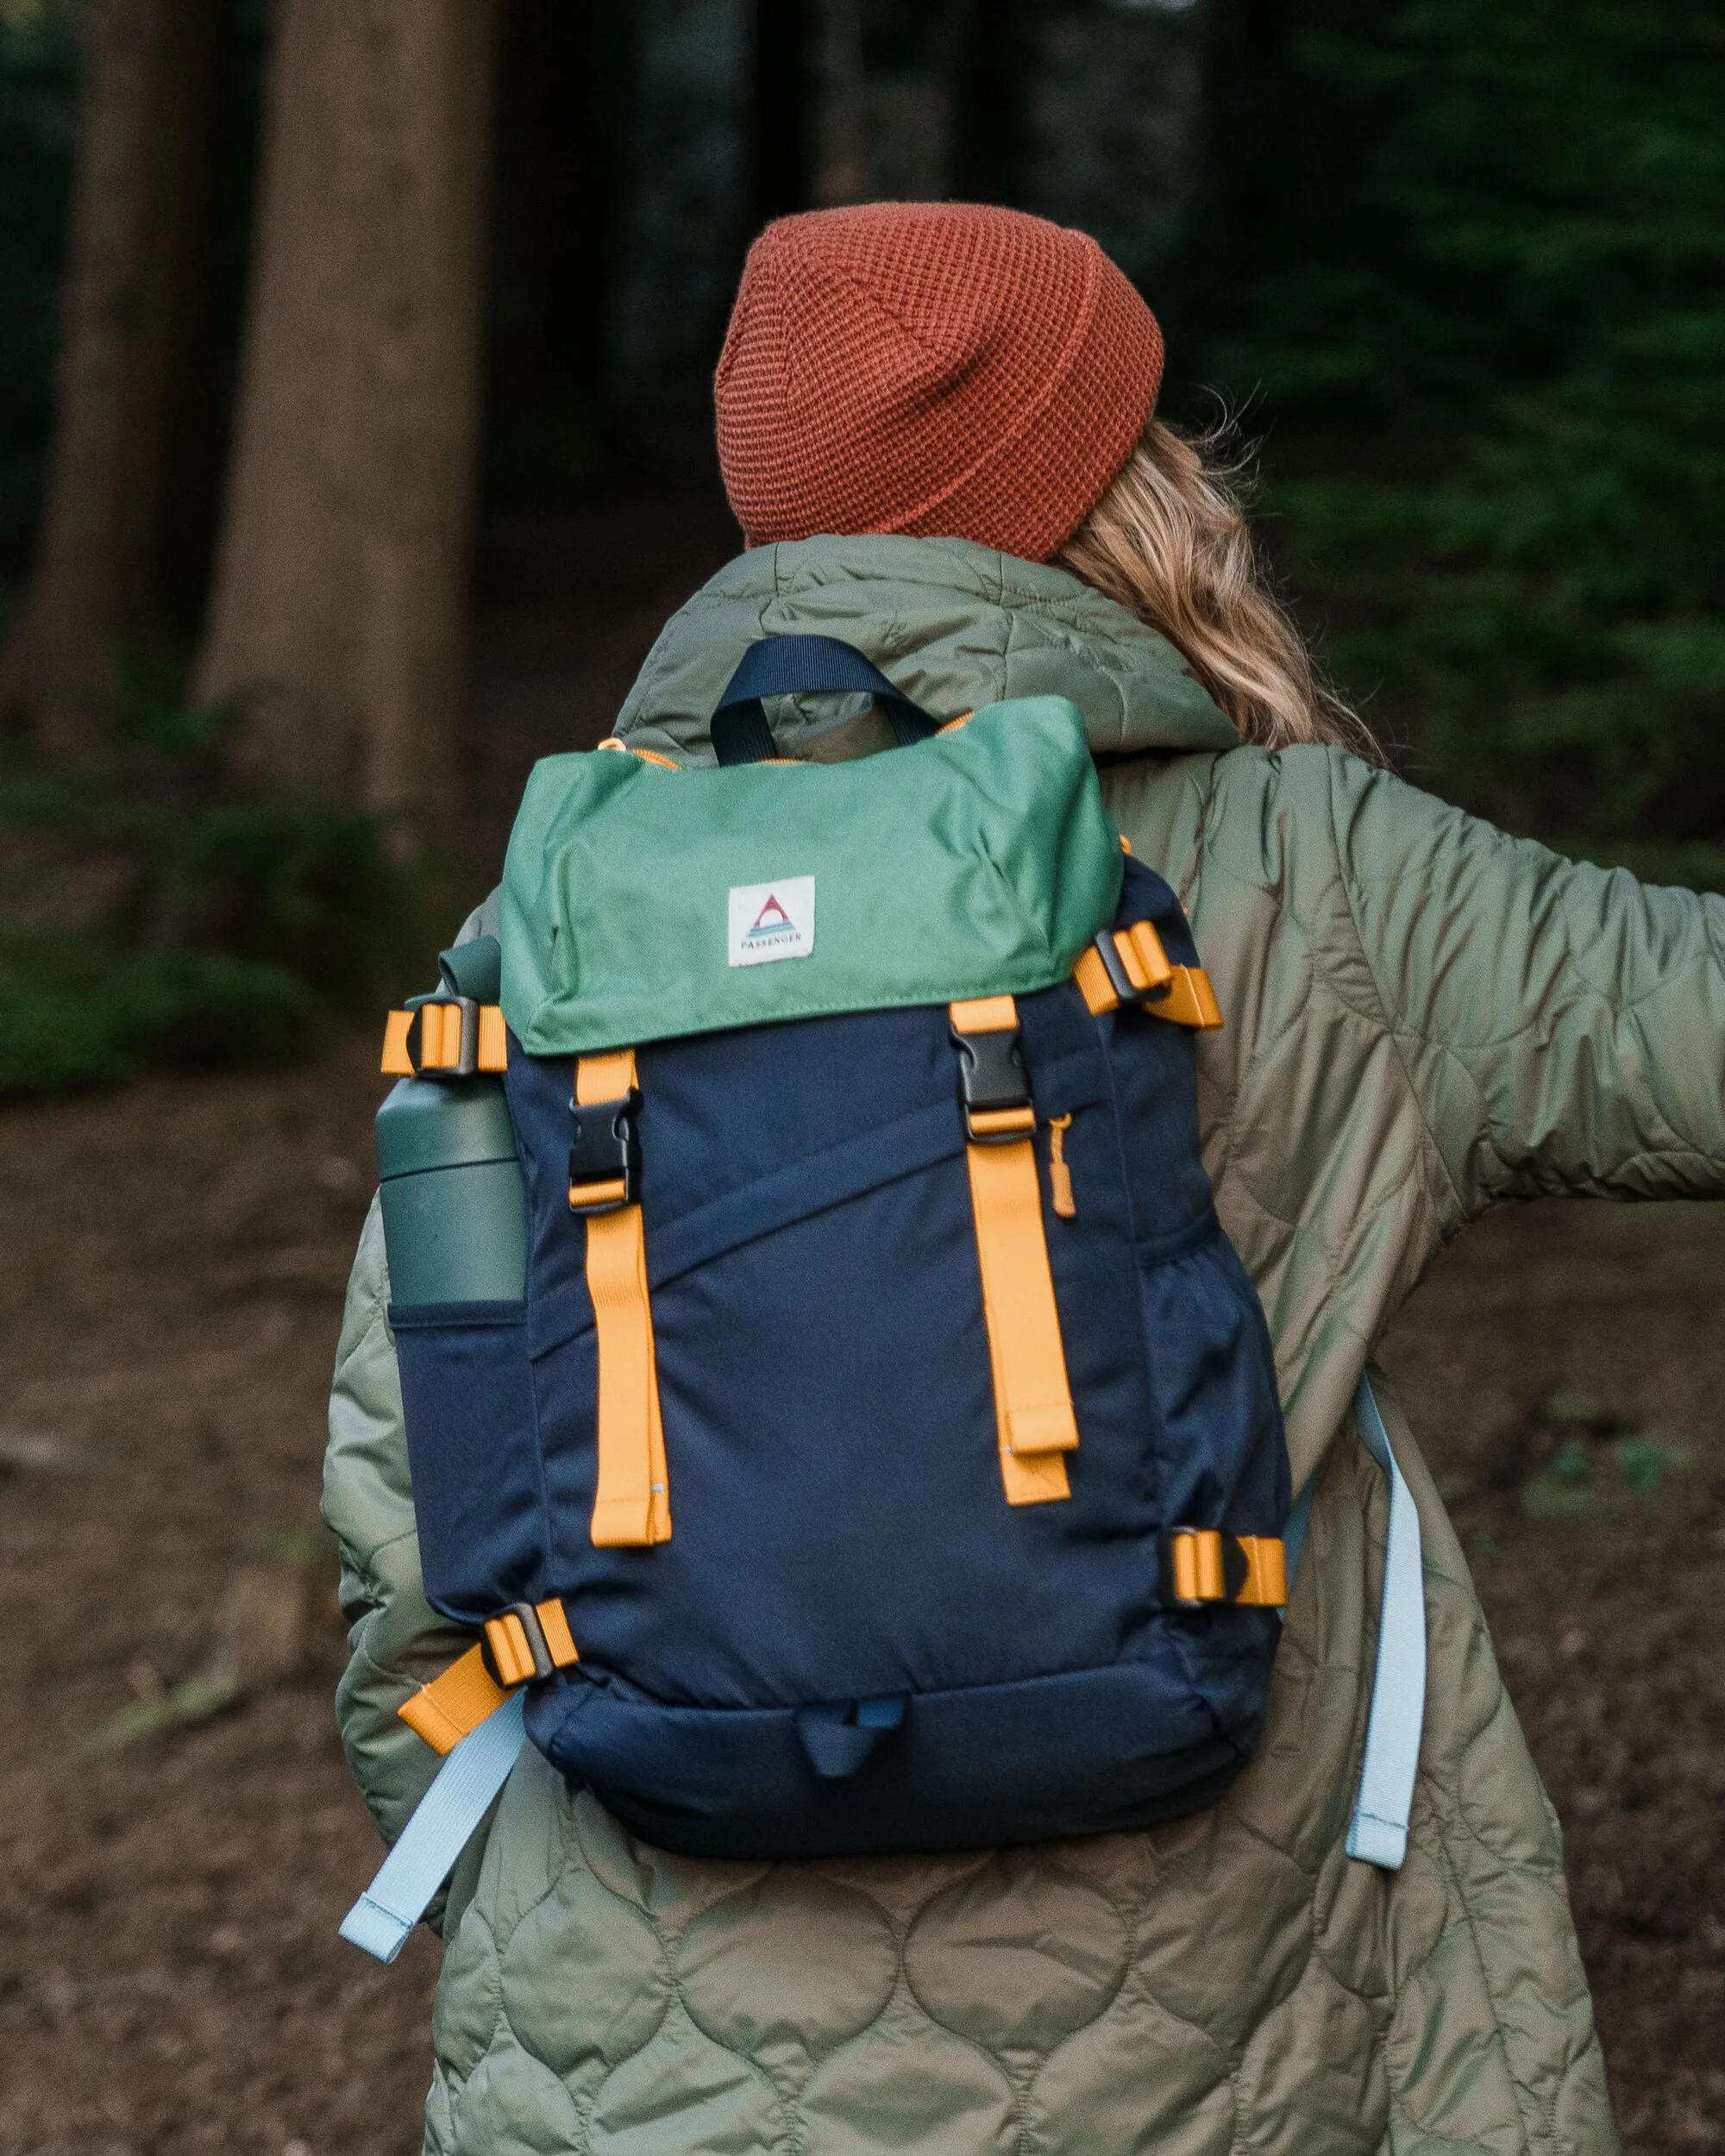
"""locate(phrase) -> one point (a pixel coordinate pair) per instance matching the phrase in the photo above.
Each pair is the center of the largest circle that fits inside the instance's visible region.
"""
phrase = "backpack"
(832, 1399)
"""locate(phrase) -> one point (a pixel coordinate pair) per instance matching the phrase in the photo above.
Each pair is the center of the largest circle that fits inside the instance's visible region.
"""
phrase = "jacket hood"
(955, 626)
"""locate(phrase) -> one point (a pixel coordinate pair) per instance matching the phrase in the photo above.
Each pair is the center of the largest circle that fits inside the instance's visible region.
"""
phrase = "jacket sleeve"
(1562, 1026)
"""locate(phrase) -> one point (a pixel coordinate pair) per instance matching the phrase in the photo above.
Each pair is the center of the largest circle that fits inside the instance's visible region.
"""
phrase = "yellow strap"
(450, 1706)
(1094, 984)
(1266, 1572)
(631, 1505)
(397, 1062)
(1200, 1572)
(646, 755)
(440, 1038)
(494, 1039)
(1142, 956)
(1059, 1175)
(984, 1014)
(443, 1711)
(511, 1652)
(1033, 1418)
(1190, 1001)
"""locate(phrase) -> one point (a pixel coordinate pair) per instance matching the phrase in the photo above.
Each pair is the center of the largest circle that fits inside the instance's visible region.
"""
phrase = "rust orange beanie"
(939, 368)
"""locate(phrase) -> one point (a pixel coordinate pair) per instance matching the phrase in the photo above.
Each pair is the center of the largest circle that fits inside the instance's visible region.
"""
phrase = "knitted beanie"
(939, 368)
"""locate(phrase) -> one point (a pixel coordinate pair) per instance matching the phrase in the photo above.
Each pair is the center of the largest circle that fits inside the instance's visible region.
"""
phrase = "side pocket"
(466, 1389)
(1222, 1457)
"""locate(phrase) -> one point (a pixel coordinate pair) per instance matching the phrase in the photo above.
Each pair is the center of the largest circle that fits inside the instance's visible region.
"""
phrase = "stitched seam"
(1525, 2097)
(1383, 1012)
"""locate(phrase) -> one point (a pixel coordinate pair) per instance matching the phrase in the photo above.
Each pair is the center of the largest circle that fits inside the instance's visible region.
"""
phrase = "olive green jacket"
(1423, 1018)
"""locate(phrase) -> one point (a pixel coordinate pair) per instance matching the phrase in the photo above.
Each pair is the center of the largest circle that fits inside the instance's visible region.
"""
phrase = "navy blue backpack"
(832, 1401)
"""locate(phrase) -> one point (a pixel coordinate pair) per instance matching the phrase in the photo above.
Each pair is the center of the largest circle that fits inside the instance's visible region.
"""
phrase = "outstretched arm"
(1563, 1025)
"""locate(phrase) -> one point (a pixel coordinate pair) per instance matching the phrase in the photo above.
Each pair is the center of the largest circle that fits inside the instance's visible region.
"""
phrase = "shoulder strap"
(1377, 1834)
(427, 1847)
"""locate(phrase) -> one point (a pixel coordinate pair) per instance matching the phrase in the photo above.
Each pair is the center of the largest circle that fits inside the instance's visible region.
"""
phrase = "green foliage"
(78, 1008)
(1598, 1458)
(1522, 325)
(224, 929)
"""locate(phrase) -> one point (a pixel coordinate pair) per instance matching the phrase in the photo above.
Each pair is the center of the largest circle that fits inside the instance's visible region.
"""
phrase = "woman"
(936, 426)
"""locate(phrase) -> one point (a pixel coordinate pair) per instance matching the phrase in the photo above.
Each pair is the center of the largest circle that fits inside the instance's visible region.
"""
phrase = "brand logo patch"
(771, 920)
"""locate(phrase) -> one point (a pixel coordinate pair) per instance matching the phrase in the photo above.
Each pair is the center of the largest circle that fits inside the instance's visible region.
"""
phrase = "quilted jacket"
(1424, 1017)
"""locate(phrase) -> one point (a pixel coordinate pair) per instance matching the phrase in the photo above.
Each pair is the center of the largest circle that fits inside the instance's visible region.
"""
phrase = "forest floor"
(171, 1277)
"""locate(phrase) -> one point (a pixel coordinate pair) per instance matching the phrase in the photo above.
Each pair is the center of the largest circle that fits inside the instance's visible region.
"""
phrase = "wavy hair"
(1169, 541)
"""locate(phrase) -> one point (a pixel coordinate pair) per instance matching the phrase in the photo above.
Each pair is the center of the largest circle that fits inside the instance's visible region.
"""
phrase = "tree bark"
(780, 152)
(134, 309)
(844, 171)
(336, 625)
(563, 97)
(992, 64)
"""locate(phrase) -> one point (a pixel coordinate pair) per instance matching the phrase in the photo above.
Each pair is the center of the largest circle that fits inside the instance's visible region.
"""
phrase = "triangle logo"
(765, 921)
(771, 917)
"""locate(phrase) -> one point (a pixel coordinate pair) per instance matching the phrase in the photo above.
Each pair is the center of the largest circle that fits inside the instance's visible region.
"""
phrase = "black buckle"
(992, 1082)
(606, 1153)
(538, 1646)
(468, 1056)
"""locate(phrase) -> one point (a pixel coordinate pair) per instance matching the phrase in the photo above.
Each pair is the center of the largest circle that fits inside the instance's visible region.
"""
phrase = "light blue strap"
(435, 1836)
(1378, 1834)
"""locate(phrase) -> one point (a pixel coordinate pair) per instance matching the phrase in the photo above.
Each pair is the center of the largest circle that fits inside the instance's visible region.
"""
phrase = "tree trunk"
(990, 76)
(780, 153)
(844, 171)
(337, 617)
(135, 292)
(564, 89)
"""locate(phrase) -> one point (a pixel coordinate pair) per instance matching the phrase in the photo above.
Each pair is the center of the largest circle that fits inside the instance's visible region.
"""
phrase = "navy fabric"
(840, 1533)
(473, 1445)
(1095, 1751)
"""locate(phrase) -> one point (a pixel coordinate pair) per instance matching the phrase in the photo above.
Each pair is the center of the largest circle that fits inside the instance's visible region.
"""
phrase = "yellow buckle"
(1205, 1566)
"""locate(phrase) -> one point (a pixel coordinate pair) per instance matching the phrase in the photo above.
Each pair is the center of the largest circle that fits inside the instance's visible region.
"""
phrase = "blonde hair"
(1171, 542)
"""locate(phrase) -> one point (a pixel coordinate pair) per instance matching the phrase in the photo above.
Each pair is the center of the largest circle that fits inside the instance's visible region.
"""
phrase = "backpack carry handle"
(801, 666)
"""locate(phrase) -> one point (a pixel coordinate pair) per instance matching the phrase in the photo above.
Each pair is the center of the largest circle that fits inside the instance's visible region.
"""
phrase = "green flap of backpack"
(642, 901)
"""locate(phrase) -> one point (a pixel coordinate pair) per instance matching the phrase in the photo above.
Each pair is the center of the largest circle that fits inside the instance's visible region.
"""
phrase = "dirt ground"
(171, 1273)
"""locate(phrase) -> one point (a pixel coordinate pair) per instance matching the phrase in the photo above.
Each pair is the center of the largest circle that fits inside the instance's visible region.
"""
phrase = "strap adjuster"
(1195, 1568)
(515, 1647)
(998, 1109)
(1135, 962)
(605, 1161)
(445, 1036)
(525, 1643)
(1201, 1565)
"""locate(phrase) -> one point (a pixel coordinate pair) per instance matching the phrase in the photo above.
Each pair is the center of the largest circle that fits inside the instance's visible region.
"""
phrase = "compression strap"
(631, 1503)
(428, 1847)
(1377, 1831)
(1378, 1834)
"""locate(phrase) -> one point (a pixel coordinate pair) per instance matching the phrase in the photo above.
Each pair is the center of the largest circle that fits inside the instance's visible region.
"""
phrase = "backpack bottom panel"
(1086, 1751)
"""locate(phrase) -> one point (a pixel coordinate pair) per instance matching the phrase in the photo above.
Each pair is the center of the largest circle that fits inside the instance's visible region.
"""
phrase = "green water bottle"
(455, 1204)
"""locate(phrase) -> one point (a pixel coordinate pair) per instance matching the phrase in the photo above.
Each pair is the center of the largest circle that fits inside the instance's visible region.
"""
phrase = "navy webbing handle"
(801, 666)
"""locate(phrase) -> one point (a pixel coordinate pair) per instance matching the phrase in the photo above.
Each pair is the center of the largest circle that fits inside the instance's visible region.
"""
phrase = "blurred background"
(355, 442)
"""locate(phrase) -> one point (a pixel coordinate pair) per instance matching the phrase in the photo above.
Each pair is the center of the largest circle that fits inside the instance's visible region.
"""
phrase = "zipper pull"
(1059, 1175)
